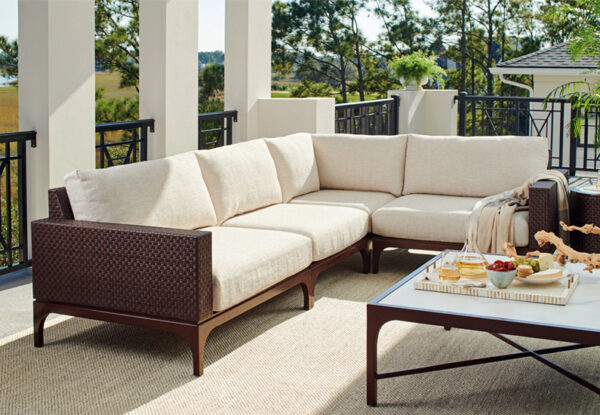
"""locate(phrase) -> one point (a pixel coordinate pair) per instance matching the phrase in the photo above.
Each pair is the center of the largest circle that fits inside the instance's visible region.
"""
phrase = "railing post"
(573, 137)
(396, 114)
(462, 113)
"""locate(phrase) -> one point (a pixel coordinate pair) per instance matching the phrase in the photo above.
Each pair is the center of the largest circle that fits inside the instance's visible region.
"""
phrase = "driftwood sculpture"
(587, 229)
(563, 251)
(592, 261)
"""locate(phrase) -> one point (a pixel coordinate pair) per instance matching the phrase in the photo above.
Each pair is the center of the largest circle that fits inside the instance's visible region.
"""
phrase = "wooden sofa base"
(196, 334)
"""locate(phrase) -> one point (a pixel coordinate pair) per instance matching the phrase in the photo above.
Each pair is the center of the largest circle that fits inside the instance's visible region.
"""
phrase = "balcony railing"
(215, 129)
(523, 116)
(13, 200)
(377, 117)
(122, 142)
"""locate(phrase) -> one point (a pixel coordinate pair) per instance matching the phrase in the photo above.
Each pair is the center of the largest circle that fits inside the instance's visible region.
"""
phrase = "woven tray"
(557, 293)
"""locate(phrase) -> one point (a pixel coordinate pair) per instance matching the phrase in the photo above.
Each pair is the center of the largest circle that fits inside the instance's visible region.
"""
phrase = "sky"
(211, 30)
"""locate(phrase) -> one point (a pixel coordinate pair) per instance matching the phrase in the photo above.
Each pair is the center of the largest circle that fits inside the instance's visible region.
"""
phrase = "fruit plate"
(545, 281)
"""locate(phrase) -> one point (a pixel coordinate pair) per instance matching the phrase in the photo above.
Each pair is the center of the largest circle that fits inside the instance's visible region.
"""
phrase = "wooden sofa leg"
(39, 318)
(376, 256)
(366, 260)
(308, 289)
(197, 340)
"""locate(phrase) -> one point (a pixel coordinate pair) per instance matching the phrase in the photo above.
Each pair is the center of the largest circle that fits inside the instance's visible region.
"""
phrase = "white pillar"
(56, 92)
(247, 62)
(169, 74)
(283, 116)
(428, 111)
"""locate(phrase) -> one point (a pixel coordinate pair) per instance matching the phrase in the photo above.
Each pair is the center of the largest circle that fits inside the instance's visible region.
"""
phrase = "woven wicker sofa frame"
(158, 278)
(161, 278)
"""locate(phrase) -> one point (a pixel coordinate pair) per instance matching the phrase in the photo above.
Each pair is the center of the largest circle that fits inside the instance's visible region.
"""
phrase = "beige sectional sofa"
(273, 214)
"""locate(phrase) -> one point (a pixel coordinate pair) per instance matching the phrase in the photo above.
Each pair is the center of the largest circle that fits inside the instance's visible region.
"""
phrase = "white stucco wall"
(283, 116)
(428, 111)
(56, 93)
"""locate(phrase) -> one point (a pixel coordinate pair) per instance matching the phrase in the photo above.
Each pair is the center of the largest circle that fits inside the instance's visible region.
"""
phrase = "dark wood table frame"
(379, 314)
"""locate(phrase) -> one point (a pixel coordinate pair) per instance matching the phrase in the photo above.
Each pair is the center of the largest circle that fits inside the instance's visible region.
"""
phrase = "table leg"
(373, 326)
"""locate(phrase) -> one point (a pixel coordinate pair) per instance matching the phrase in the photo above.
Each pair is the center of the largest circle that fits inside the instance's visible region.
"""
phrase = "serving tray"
(557, 293)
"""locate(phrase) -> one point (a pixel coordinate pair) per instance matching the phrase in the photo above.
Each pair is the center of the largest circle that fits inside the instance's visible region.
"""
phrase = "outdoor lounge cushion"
(361, 162)
(435, 218)
(471, 166)
(331, 228)
(367, 201)
(167, 192)
(240, 178)
(247, 261)
(296, 165)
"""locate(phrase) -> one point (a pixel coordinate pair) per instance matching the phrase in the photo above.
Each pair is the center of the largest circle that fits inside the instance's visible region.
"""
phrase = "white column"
(247, 62)
(169, 74)
(283, 116)
(56, 92)
(427, 111)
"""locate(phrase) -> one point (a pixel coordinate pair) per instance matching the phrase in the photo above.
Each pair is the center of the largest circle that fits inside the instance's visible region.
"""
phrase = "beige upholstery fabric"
(355, 162)
(471, 166)
(435, 218)
(521, 228)
(168, 192)
(331, 228)
(246, 261)
(296, 164)
(367, 201)
(240, 178)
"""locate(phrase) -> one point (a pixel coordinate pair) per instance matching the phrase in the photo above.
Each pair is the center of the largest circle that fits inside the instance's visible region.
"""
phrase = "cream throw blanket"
(491, 222)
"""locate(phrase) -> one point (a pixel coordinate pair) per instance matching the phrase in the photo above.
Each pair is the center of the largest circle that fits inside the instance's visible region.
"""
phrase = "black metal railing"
(377, 117)
(122, 142)
(13, 200)
(215, 129)
(584, 150)
(523, 116)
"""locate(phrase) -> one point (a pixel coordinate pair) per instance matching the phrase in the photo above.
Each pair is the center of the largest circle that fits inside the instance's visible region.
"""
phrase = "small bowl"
(501, 279)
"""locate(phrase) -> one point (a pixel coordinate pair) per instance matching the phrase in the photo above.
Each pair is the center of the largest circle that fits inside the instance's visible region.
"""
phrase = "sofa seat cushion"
(167, 192)
(240, 178)
(366, 201)
(247, 261)
(331, 228)
(296, 165)
(361, 162)
(471, 166)
(435, 218)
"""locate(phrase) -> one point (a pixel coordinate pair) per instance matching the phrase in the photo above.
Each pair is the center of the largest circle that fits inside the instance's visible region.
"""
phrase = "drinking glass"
(449, 266)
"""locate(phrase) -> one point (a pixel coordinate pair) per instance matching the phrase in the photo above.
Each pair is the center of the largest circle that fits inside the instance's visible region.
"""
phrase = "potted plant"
(417, 69)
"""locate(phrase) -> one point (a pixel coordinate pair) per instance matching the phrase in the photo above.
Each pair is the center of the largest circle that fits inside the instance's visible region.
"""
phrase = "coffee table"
(577, 322)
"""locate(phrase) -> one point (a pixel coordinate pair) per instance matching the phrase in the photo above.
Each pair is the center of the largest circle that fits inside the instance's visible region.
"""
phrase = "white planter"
(416, 86)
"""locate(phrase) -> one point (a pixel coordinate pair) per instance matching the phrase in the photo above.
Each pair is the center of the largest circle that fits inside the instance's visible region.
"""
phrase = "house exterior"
(550, 68)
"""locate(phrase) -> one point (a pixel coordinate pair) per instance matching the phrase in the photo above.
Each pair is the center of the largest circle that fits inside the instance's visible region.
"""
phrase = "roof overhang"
(499, 70)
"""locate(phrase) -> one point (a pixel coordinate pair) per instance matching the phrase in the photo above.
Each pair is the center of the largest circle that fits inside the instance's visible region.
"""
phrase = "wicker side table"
(585, 208)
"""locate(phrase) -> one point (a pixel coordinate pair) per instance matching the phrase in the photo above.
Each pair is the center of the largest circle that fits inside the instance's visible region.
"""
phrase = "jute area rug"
(279, 359)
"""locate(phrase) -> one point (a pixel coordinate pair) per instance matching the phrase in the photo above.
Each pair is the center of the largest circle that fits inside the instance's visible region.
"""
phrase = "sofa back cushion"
(361, 162)
(471, 166)
(167, 192)
(296, 164)
(240, 178)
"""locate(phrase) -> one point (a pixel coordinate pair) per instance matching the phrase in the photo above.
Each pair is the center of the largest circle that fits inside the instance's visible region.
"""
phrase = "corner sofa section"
(186, 243)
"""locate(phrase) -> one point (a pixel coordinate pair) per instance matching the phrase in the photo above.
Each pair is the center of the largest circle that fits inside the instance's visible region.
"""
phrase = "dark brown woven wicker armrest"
(158, 272)
(543, 211)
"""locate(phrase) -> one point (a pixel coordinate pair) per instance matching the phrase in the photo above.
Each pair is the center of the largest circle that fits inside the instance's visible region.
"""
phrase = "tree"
(319, 38)
(403, 30)
(583, 95)
(211, 81)
(117, 39)
(9, 52)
